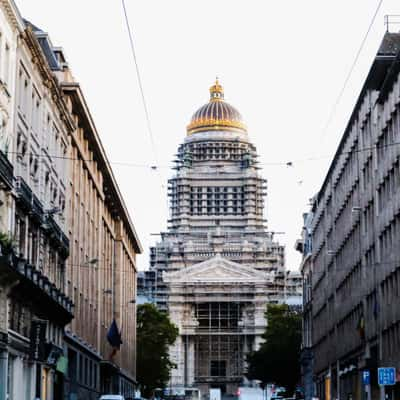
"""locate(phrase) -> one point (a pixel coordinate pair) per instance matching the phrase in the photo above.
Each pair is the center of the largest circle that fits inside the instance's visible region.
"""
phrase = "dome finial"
(216, 91)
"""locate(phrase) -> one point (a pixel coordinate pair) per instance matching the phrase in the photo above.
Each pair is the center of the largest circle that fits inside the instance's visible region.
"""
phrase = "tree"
(277, 360)
(155, 333)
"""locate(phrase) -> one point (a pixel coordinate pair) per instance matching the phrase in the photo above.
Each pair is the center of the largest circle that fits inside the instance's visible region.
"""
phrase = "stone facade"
(217, 266)
(66, 235)
(355, 232)
(102, 275)
(304, 246)
(34, 247)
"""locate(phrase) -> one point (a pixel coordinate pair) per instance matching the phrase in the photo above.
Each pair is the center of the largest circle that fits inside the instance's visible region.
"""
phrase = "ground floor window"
(10, 378)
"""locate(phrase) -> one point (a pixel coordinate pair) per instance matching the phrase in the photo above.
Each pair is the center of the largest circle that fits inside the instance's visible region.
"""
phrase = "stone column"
(191, 359)
(176, 351)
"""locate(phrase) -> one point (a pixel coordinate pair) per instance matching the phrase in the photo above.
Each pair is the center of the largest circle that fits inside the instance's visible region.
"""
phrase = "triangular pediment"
(217, 269)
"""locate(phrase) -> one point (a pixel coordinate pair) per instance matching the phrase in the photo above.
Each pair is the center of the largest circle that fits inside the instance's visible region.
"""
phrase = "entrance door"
(220, 386)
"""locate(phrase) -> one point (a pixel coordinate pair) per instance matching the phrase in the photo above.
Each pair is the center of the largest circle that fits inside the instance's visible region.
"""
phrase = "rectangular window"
(7, 65)
(1, 56)
(218, 368)
(86, 371)
(35, 111)
(95, 377)
(23, 86)
(81, 369)
(10, 377)
(72, 365)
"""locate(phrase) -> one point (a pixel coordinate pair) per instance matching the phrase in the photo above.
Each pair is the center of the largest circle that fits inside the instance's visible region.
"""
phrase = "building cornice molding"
(217, 271)
(113, 195)
(12, 14)
(49, 81)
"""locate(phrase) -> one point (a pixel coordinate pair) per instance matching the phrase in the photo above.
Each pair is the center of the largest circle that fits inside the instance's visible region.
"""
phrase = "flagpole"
(113, 279)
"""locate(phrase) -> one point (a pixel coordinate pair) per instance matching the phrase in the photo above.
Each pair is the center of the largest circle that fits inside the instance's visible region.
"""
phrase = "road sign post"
(367, 384)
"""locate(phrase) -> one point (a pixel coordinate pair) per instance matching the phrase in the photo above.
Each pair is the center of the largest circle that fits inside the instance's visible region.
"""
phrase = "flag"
(114, 337)
(361, 327)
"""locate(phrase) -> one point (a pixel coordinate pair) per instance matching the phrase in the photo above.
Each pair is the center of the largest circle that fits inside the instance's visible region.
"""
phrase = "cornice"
(12, 14)
(113, 195)
(39, 60)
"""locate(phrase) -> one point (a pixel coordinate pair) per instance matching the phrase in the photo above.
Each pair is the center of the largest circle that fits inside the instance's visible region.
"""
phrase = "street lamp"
(92, 261)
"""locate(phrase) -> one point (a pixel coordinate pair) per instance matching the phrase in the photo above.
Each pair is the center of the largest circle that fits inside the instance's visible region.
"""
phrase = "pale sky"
(282, 64)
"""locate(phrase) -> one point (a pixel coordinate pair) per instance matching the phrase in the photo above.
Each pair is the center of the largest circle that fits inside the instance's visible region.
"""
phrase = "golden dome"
(216, 114)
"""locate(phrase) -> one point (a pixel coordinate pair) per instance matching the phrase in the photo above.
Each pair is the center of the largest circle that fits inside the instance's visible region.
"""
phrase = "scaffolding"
(220, 316)
(220, 322)
(218, 358)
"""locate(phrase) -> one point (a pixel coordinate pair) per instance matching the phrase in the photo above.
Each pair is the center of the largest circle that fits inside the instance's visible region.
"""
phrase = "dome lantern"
(216, 91)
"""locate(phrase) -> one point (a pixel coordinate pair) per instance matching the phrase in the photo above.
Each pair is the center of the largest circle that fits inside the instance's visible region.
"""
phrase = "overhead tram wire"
(335, 105)
(68, 158)
(146, 110)
(103, 265)
(288, 163)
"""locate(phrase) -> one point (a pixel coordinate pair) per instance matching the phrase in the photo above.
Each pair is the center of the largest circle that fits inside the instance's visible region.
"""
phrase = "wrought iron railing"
(6, 171)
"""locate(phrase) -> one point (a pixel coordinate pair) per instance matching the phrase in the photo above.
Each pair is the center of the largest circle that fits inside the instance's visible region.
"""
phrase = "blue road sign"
(366, 377)
(386, 376)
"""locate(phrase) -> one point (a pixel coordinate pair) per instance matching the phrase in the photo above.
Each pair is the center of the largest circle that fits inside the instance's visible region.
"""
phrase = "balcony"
(27, 199)
(6, 171)
(56, 234)
(36, 287)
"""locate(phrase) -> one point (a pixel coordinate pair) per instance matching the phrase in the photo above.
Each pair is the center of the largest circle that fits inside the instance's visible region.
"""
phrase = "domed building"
(217, 266)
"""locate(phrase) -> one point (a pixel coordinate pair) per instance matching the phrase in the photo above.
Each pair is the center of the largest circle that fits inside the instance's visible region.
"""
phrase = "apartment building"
(355, 231)
(304, 246)
(66, 238)
(102, 279)
(34, 245)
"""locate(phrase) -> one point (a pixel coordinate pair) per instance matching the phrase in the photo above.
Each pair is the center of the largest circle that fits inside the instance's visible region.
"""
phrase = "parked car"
(112, 397)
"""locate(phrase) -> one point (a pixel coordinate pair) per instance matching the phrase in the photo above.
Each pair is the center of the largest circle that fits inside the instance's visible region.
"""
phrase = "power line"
(95, 266)
(332, 113)
(120, 163)
(146, 111)
(288, 163)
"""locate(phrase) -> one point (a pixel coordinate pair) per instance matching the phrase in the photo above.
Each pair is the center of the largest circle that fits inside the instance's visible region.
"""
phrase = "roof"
(387, 56)
(45, 43)
(215, 270)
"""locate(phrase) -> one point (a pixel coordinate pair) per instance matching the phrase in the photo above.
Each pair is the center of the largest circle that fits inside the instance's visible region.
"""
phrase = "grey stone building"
(355, 236)
(216, 267)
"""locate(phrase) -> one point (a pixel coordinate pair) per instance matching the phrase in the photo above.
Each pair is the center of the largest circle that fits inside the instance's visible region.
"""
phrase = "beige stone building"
(101, 277)
(72, 242)
(35, 123)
